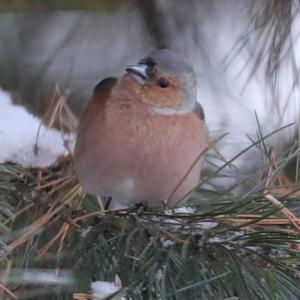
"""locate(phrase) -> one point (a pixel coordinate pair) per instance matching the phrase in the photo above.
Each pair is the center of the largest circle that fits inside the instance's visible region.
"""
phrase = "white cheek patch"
(185, 108)
(165, 111)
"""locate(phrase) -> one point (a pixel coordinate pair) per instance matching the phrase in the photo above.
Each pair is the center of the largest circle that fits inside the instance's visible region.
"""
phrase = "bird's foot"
(138, 208)
(107, 202)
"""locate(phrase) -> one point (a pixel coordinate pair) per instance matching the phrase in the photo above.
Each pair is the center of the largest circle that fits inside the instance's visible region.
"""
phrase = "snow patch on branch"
(26, 141)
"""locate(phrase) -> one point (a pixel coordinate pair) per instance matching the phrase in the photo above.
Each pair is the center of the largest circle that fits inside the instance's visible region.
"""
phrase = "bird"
(142, 137)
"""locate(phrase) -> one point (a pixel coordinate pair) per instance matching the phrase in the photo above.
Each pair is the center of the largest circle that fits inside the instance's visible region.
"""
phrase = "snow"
(166, 243)
(207, 225)
(42, 276)
(184, 210)
(103, 289)
(20, 131)
(229, 98)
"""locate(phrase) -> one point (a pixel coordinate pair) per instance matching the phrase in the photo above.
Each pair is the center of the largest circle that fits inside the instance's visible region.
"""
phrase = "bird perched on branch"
(141, 138)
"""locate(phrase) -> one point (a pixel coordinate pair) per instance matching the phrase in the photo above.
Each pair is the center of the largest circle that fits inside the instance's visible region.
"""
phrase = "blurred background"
(245, 54)
(243, 243)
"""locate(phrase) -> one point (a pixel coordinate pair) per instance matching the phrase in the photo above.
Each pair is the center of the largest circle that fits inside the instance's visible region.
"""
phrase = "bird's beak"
(139, 72)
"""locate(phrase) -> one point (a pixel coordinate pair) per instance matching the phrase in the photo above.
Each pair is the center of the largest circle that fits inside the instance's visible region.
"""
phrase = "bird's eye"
(163, 83)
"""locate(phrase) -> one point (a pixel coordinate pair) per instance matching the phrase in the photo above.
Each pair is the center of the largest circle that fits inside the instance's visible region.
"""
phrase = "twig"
(46, 247)
(292, 218)
(37, 226)
(53, 182)
(3, 288)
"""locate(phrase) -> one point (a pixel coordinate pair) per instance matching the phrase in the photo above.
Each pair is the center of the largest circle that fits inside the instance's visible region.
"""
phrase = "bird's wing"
(96, 106)
(105, 84)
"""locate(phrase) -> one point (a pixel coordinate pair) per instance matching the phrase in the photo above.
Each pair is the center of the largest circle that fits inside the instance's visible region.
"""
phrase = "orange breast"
(127, 152)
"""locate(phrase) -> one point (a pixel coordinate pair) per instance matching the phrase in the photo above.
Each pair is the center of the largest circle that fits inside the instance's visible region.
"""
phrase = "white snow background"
(229, 98)
(20, 132)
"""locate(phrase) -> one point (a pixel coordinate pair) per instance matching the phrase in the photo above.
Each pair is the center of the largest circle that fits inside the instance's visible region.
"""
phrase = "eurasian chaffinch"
(140, 136)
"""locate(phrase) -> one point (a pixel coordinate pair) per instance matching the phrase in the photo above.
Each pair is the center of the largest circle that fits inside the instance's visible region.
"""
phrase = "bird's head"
(165, 80)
